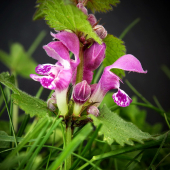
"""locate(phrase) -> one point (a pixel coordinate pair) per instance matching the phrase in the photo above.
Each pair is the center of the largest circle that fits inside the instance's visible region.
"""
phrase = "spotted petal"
(121, 98)
(46, 81)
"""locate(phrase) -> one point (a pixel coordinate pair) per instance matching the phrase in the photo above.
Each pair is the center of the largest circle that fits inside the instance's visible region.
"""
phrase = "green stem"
(99, 72)
(68, 140)
(79, 77)
(137, 93)
(36, 43)
(129, 27)
(15, 107)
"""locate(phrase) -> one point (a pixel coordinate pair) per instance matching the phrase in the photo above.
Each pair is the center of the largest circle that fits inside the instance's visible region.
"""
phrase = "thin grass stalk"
(36, 43)
(76, 163)
(10, 119)
(153, 160)
(137, 93)
(52, 128)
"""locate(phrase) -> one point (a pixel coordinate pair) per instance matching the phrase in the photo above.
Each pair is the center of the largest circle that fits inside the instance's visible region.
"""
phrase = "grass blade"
(31, 160)
(163, 141)
(129, 27)
(76, 163)
(137, 93)
(72, 146)
(36, 43)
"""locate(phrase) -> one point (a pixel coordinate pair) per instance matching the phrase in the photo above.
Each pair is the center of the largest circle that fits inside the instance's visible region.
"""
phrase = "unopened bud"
(100, 30)
(51, 102)
(82, 8)
(81, 92)
(92, 19)
(93, 110)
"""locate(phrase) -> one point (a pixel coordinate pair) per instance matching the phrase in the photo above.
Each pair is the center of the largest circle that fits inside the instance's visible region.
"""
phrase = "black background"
(148, 41)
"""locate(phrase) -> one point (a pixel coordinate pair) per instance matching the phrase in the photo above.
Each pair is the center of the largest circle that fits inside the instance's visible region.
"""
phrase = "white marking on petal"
(121, 98)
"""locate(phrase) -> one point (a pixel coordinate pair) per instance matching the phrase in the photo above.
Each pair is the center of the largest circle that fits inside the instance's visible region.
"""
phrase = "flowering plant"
(81, 47)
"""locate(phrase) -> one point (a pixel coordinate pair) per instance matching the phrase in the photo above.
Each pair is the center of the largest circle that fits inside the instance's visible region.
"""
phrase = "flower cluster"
(78, 72)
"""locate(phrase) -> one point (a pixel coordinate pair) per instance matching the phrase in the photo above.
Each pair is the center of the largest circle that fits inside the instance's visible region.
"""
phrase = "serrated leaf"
(101, 5)
(38, 13)
(31, 105)
(62, 16)
(114, 49)
(116, 129)
(137, 116)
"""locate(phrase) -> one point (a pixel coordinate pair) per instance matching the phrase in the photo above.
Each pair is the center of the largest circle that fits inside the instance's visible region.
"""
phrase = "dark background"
(148, 41)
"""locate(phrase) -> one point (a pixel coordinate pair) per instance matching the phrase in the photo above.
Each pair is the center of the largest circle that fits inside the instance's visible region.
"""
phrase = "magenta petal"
(128, 63)
(46, 81)
(94, 55)
(35, 77)
(121, 98)
(87, 75)
(108, 81)
(58, 51)
(44, 69)
(81, 92)
(71, 41)
(63, 79)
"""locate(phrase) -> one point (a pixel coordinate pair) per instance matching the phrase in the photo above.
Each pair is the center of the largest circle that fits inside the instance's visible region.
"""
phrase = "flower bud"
(92, 19)
(100, 30)
(93, 110)
(51, 102)
(82, 8)
(81, 92)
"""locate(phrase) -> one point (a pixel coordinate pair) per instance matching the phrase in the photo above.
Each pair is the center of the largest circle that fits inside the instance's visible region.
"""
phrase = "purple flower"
(110, 81)
(58, 77)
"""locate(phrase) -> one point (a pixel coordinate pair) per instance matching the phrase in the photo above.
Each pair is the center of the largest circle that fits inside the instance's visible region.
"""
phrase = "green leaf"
(3, 144)
(85, 131)
(31, 105)
(108, 100)
(66, 17)
(101, 5)
(114, 49)
(18, 61)
(4, 126)
(116, 129)
(137, 116)
(21, 63)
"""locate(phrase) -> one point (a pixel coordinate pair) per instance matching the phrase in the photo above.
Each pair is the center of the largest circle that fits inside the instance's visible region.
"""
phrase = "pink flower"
(58, 77)
(110, 81)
